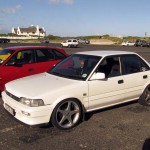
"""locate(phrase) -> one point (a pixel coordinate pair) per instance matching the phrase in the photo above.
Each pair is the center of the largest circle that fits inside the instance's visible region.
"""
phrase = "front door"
(20, 65)
(106, 92)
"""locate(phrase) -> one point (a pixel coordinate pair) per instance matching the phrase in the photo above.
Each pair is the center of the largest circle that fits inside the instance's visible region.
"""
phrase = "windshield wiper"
(55, 73)
(66, 76)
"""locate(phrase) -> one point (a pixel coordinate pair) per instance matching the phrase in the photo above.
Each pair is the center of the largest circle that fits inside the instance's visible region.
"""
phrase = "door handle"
(145, 76)
(30, 69)
(120, 81)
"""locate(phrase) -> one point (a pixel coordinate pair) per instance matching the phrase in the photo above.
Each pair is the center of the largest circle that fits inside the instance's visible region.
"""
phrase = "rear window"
(58, 55)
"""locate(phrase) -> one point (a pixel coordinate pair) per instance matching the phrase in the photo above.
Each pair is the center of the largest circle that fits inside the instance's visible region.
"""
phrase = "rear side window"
(133, 64)
(44, 55)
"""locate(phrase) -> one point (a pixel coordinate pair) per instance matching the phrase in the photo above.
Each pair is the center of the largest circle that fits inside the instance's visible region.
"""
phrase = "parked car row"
(74, 42)
(4, 40)
(82, 82)
(137, 43)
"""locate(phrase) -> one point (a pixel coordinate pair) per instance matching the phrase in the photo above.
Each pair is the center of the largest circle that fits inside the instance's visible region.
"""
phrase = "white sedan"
(128, 43)
(70, 43)
(81, 83)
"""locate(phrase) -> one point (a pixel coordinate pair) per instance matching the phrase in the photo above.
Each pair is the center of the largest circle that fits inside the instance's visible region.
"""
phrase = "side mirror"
(10, 63)
(98, 76)
(13, 63)
(19, 64)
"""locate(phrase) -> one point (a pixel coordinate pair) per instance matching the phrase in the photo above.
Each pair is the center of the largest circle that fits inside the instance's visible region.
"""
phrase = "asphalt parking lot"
(123, 127)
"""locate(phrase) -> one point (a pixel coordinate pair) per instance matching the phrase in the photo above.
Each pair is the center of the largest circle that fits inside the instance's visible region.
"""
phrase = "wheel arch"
(145, 86)
(142, 99)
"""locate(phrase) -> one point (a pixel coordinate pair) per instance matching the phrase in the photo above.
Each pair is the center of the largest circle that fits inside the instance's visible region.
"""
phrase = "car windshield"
(77, 66)
(4, 54)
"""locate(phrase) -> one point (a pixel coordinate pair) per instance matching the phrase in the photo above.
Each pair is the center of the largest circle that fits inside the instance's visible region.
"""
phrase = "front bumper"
(26, 114)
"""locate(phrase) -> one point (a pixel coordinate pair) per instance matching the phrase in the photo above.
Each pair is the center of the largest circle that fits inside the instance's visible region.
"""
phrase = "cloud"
(68, 2)
(10, 10)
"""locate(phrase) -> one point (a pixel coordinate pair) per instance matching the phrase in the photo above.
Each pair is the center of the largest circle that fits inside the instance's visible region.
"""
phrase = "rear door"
(136, 75)
(45, 59)
(20, 65)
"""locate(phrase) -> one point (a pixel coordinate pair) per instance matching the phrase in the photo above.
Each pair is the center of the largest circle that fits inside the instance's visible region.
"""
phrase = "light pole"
(145, 34)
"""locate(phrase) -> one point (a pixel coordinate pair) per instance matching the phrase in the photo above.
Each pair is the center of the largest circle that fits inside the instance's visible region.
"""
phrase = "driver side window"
(110, 66)
(22, 57)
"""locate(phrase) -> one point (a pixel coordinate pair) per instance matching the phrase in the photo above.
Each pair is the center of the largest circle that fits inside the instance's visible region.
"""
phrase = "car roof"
(72, 39)
(30, 47)
(104, 53)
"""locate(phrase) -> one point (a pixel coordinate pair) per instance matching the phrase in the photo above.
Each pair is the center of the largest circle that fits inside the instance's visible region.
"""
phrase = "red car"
(21, 61)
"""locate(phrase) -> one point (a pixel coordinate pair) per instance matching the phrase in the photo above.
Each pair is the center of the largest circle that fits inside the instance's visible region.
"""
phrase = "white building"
(30, 31)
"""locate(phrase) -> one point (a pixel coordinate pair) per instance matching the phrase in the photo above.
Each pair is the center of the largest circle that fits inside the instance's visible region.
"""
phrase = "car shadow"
(88, 115)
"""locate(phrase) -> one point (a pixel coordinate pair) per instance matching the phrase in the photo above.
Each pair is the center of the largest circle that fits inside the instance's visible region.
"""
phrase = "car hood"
(43, 86)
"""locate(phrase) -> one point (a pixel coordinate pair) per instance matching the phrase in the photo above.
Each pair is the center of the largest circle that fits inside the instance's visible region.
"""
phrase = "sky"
(78, 17)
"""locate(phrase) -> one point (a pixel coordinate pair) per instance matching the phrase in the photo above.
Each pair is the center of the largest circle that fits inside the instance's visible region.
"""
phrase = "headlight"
(31, 102)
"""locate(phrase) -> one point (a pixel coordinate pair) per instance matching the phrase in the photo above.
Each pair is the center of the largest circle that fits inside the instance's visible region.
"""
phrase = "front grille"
(12, 96)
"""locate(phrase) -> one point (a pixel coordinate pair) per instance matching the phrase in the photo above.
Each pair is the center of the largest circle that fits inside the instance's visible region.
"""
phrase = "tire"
(145, 97)
(74, 46)
(67, 114)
